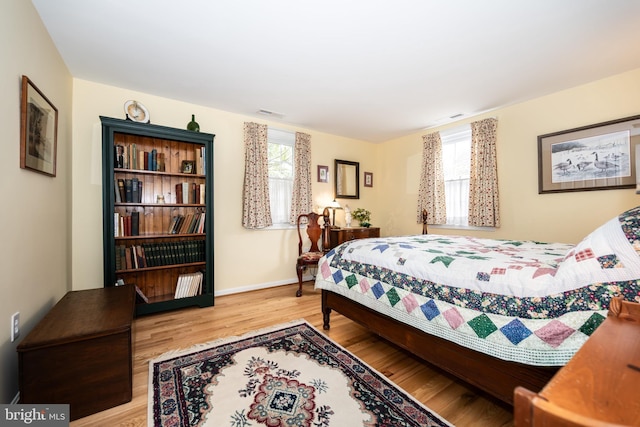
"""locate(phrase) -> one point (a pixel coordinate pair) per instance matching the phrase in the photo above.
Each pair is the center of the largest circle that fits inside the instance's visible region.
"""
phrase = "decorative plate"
(135, 111)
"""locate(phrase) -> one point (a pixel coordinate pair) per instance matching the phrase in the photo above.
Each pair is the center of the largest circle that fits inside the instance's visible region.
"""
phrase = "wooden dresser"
(600, 386)
(341, 235)
(80, 352)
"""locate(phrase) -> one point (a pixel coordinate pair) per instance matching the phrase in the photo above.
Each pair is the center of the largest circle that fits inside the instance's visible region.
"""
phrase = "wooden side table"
(341, 235)
(80, 353)
(599, 385)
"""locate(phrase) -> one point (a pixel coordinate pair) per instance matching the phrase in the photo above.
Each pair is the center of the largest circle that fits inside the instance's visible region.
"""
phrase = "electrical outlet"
(15, 326)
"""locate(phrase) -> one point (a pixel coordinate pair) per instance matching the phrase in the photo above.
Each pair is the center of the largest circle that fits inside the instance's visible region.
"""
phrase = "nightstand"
(341, 235)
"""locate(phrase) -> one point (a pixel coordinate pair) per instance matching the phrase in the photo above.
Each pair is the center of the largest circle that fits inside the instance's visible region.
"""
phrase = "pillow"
(610, 254)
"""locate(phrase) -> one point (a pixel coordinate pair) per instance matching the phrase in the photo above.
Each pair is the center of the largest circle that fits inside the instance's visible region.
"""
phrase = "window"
(456, 163)
(280, 145)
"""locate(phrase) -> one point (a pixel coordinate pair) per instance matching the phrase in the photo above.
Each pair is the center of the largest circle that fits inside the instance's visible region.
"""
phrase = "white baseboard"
(16, 399)
(261, 286)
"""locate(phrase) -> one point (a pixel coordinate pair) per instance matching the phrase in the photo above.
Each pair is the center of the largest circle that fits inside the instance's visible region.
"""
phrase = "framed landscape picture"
(38, 130)
(595, 157)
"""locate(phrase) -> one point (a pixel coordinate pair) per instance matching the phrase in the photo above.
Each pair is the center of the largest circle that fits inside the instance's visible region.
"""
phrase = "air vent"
(270, 113)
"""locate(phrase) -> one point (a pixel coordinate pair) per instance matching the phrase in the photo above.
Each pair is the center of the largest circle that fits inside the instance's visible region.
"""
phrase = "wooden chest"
(80, 352)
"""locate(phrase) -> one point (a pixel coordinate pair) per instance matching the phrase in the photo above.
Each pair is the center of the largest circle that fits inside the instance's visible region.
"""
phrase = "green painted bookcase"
(158, 213)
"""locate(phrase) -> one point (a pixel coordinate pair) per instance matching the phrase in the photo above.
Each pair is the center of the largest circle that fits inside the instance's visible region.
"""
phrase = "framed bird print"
(594, 157)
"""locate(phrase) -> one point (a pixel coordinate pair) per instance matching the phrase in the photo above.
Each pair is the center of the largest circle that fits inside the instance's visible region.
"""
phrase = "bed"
(494, 313)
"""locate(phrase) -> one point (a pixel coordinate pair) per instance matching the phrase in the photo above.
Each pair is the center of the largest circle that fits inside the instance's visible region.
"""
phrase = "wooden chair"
(424, 221)
(315, 233)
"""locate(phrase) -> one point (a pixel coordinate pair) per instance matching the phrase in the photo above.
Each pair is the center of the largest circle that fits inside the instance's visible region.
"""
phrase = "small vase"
(193, 125)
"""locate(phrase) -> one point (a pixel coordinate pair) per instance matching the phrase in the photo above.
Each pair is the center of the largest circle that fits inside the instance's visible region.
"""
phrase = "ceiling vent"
(270, 113)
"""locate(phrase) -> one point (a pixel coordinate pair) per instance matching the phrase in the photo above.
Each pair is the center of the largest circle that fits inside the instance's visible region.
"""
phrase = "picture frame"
(323, 173)
(188, 166)
(368, 179)
(595, 157)
(38, 130)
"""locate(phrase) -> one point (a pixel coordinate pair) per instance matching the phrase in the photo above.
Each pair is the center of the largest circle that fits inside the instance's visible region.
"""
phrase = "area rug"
(284, 376)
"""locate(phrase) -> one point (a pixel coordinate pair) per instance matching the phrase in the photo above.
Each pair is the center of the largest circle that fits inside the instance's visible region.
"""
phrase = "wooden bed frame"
(497, 377)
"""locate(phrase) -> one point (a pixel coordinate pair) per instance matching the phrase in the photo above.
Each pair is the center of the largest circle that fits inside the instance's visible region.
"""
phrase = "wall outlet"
(15, 326)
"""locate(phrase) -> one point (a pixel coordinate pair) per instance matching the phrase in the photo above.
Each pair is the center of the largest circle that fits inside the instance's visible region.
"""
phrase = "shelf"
(147, 172)
(162, 205)
(159, 236)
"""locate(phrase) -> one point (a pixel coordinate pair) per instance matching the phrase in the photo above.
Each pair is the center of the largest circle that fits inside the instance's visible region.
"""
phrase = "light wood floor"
(241, 313)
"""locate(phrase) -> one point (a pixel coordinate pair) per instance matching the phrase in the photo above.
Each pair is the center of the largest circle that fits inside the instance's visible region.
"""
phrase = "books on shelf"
(130, 190)
(126, 225)
(191, 223)
(132, 257)
(189, 285)
(190, 193)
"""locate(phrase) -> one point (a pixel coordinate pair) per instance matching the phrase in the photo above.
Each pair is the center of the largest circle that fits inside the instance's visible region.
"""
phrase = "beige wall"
(244, 259)
(525, 214)
(35, 216)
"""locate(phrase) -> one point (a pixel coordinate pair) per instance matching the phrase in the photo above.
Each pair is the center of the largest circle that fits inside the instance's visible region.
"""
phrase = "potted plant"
(363, 216)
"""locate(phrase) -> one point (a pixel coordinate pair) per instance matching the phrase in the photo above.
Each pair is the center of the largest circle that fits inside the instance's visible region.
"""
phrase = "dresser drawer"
(341, 235)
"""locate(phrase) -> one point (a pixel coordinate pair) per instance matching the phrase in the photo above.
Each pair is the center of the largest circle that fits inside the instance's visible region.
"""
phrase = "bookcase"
(158, 213)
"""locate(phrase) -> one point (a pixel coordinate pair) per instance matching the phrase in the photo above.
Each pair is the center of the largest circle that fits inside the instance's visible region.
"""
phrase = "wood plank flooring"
(240, 313)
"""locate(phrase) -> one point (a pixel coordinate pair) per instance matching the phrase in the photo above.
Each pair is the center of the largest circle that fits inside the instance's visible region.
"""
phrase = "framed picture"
(38, 130)
(595, 157)
(368, 179)
(188, 166)
(323, 173)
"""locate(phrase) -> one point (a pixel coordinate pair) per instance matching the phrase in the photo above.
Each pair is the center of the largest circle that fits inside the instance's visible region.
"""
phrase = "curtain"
(431, 195)
(256, 212)
(301, 202)
(483, 182)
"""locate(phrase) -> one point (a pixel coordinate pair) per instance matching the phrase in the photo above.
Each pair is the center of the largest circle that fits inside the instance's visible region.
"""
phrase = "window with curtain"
(280, 150)
(456, 163)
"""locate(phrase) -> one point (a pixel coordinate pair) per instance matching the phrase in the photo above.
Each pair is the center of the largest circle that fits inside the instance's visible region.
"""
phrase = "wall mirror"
(347, 180)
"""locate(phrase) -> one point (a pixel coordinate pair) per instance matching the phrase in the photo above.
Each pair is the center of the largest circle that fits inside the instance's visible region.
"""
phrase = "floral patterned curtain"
(431, 194)
(301, 200)
(484, 206)
(256, 212)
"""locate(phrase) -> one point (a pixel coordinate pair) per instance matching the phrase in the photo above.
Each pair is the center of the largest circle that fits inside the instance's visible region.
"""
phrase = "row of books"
(128, 190)
(190, 193)
(159, 254)
(189, 285)
(191, 223)
(131, 157)
(126, 225)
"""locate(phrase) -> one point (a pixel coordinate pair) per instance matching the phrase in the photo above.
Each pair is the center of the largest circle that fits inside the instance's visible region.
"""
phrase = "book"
(121, 190)
(135, 223)
(161, 162)
(140, 296)
(135, 190)
(118, 160)
(179, 196)
(128, 189)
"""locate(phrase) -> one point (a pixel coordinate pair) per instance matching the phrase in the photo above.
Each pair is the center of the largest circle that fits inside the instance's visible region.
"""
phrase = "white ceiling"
(367, 69)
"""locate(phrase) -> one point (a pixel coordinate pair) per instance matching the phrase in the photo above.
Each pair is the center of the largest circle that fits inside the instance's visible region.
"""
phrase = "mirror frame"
(356, 195)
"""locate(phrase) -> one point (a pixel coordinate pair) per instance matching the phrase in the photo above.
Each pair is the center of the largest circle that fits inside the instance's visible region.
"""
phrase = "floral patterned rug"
(289, 375)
